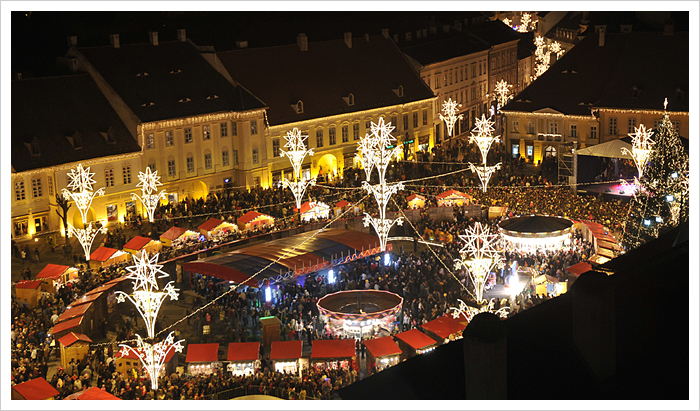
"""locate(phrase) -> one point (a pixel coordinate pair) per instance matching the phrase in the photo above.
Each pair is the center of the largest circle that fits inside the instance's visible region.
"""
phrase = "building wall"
(503, 65)
(626, 120)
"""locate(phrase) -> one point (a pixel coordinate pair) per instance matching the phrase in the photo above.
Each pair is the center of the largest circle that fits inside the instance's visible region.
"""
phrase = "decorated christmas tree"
(661, 202)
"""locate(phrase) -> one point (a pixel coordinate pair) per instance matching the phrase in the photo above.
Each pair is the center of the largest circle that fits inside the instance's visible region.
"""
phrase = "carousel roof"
(535, 224)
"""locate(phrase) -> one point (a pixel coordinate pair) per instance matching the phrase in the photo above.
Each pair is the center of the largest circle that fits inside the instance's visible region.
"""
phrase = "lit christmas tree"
(662, 200)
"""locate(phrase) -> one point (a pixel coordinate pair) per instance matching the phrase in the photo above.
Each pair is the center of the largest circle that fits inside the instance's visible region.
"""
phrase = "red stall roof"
(92, 393)
(103, 254)
(381, 347)
(66, 325)
(86, 299)
(202, 352)
(415, 339)
(72, 337)
(285, 350)
(333, 348)
(250, 216)
(579, 268)
(31, 284)
(52, 271)
(73, 312)
(414, 196)
(173, 234)
(342, 203)
(36, 389)
(137, 243)
(244, 351)
(99, 290)
(450, 193)
(444, 326)
(210, 224)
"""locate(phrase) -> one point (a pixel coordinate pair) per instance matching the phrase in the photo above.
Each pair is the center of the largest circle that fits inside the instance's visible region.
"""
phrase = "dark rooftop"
(441, 48)
(494, 32)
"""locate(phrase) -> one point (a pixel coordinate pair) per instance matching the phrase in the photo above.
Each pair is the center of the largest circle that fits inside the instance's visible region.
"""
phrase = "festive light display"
(296, 153)
(80, 182)
(86, 236)
(641, 147)
(506, 21)
(148, 300)
(502, 91)
(482, 247)
(149, 182)
(542, 52)
(525, 21)
(450, 109)
(374, 154)
(469, 312)
(484, 173)
(484, 139)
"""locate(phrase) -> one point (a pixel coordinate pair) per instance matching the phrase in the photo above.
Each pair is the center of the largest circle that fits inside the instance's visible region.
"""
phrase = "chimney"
(153, 37)
(366, 36)
(302, 42)
(181, 35)
(241, 44)
(668, 29)
(347, 36)
(396, 38)
(433, 30)
(601, 36)
(408, 36)
(385, 33)
(418, 34)
(72, 41)
(445, 28)
(114, 39)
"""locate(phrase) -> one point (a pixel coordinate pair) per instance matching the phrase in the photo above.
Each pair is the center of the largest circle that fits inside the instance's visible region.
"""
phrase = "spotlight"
(647, 222)
(669, 198)
(659, 219)
(331, 277)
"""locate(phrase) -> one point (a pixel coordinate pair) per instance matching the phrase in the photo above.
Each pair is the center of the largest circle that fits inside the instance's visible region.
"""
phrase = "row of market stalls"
(40, 389)
(449, 198)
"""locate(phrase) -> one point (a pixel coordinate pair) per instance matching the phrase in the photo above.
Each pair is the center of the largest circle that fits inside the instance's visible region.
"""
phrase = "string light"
(230, 115)
(450, 109)
(86, 236)
(296, 154)
(149, 182)
(641, 147)
(80, 182)
(485, 255)
(524, 23)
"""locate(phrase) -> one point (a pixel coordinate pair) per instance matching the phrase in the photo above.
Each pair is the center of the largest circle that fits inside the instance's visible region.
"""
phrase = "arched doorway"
(550, 151)
(327, 166)
(77, 220)
(197, 190)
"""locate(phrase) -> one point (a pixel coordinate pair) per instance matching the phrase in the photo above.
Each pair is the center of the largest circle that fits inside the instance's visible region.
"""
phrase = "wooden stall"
(340, 207)
(73, 346)
(243, 358)
(175, 235)
(202, 358)
(28, 291)
(270, 330)
(285, 356)
(311, 210)
(383, 353)
(252, 219)
(444, 329)
(92, 393)
(106, 256)
(75, 324)
(54, 274)
(36, 389)
(451, 198)
(333, 354)
(414, 342)
(214, 227)
(138, 244)
(416, 201)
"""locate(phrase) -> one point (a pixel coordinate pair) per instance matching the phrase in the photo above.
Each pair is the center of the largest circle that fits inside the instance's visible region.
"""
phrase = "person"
(36, 255)
(23, 254)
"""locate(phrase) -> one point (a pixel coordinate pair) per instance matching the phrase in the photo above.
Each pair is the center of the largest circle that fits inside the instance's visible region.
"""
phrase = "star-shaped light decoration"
(483, 137)
(484, 173)
(641, 147)
(86, 236)
(468, 312)
(502, 91)
(80, 179)
(152, 356)
(479, 256)
(149, 182)
(80, 182)
(525, 21)
(506, 21)
(450, 117)
(296, 153)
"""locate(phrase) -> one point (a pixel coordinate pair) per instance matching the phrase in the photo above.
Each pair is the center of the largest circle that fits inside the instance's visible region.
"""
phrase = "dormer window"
(178, 71)
(142, 74)
(212, 97)
(150, 103)
(109, 135)
(184, 100)
(349, 99)
(33, 147)
(635, 91)
(399, 91)
(76, 140)
(298, 107)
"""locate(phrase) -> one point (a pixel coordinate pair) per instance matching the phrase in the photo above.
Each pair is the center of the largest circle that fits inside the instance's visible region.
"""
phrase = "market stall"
(75, 324)
(177, 235)
(243, 358)
(105, 256)
(574, 272)
(54, 274)
(413, 342)
(416, 201)
(215, 228)
(285, 356)
(444, 329)
(341, 206)
(270, 329)
(98, 304)
(333, 354)
(252, 219)
(73, 346)
(497, 211)
(28, 292)
(92, 393)
(548, 285)
(383, 353)
(313, 210)
(139, 244)
(451, 198)
(36, 389)
(202, 358)
(83, 311)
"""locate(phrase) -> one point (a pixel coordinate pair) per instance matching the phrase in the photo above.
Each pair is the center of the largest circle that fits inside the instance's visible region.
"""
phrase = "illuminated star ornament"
(150, 197)
(80, 182)
(296, 153)
(148, 299)
(502, 91)
(374, 154)
(450, 117)
(525, 21)
(484, 139)
(641, 148)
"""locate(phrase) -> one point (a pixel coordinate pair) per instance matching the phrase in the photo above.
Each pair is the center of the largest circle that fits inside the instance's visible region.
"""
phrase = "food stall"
(138, 244)
(28, 291)
(414, 342)
(105, 256)
(73, 346)
(36, 389)
(312, 210)
(92, 393)
(497, 211)
(416, 201)
(252, 219)
(243, 358)
(214, 228)
(176, 235)
(83, 310)
(286, 355)
(383, 353)
(333, 354)
(202, 358)
(55, 274)
(451, 198)
(444, 329)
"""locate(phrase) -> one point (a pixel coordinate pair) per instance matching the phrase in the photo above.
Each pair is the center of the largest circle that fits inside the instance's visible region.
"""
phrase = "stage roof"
(612, 148)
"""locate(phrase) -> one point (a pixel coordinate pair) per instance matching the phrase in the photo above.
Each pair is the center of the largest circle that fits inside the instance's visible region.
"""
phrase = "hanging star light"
(479, 256)
(86, 236)
(80, 182)
(296, 153)
(502, 91)
(375, 154)
(484, 173)
(468, 312)
(152, 356)
(149, 182)
(524, 23)
(483, 137)
(450, 108)
(641, 147)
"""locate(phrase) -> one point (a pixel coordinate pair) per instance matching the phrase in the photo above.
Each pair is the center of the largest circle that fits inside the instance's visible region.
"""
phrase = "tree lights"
(450, 109)
(373, 153)
(484, 139)
(149, 182)
(80, 182)
(641, 148)
(297, 152)
(503, 93)
(148, 299)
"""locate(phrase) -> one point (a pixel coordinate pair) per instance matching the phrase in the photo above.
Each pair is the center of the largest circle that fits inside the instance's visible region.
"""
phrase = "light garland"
(481, 245)
(374, 154)
(152, 356)
(641, 147)
(469, 312)
(549, 115)
(296, 154)
(450, 117)
(149, 182)
(229, 115)
(502, 91)
(80, 182)
(484, 173)
(86, 236)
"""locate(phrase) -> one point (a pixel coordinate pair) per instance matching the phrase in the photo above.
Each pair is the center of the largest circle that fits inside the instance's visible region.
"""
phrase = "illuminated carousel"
(536, 232)
(360, 313)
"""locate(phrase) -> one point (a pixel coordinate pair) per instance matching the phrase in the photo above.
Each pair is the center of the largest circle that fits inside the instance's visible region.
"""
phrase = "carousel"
(535, 232)
(360, 313)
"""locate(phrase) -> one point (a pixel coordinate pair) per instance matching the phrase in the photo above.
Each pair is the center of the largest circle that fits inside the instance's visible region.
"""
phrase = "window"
(319, 138)
(224, 158)
(253, 127)
(207, 161)
(169, 141)
(531, 128)
(368, 126)
(344, 134)
(275, 147)
(234, 129)
(473, 70)
(573, 132)
(150, 141)
(19, 191)
(36, 188)
(394, 121)
(450, 76)
(171, 168)
(109, 177)
(444, 80)
(405, 121)
(152, 166)
(224, 129)
(234, 154)
(516, 126)
(49, 182)
(126, 174)
(437, 81)
(631, 124)
(300, 107)
(612, 126)
(461, 73)
(206, 132)
(425, 117)
(473, 93)
(256, 157)
(594, 132)
(190, 164)
(356, 131)
(553, 128)
(415, 119)
(188, 135)
(515, 150)
(331, 136)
